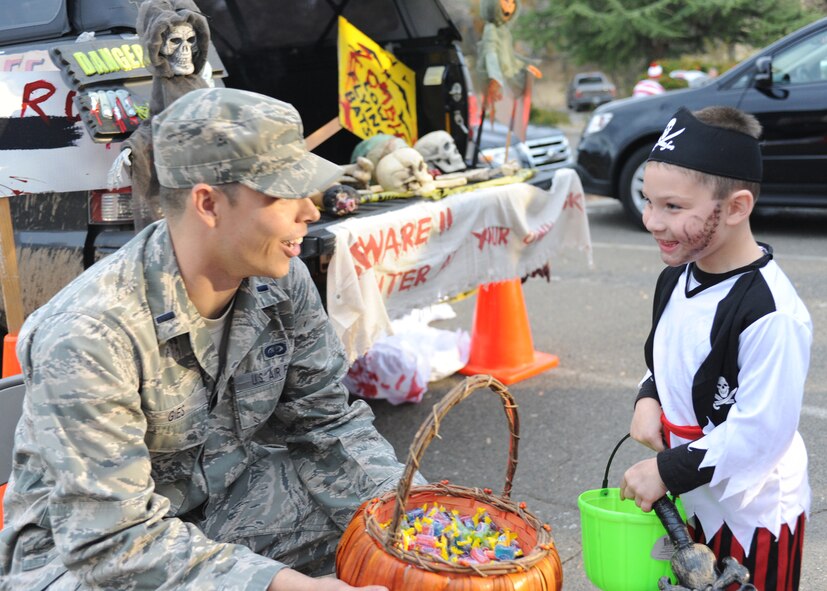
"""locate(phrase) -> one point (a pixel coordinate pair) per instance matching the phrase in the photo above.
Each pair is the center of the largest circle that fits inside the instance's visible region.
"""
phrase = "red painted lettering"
(574, 200)
(69, 107)
(541, 231)
(391, 242)
(446, 219)
(422, 274)
(447, 261)
(406, 233)
(494, 236)
(408, 278)
(366, 254)
(30, 100)
(404, 280)
(423, 230)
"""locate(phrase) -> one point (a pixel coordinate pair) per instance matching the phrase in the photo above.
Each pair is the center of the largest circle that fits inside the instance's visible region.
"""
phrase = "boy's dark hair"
(736, 120)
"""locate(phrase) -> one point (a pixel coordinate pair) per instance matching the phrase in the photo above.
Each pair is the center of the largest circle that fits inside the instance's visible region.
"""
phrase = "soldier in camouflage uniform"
(185, 426)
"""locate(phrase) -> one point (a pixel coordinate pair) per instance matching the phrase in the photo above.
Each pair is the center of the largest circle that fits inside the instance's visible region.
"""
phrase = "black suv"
(285, 50)
(783, 85)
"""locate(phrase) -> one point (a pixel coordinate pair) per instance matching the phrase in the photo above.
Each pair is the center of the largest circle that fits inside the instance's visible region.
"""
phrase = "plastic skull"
(404, 170)
(178, 47)
(440, 151)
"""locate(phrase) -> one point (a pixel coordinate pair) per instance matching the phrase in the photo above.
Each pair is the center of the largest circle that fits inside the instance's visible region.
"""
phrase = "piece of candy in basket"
(457, 538)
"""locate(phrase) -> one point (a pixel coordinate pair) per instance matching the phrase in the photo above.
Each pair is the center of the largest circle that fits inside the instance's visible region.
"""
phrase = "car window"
(31, 13)
(591, 80)
(803, 63)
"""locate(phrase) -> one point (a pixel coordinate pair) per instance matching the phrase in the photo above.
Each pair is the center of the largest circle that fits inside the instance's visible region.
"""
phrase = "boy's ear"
(203, 200)
(739, 206)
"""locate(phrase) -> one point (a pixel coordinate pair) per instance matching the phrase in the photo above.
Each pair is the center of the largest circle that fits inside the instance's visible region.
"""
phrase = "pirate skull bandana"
(689, 143)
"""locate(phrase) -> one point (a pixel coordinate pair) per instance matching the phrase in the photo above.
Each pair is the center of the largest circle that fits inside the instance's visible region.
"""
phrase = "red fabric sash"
(691, 432)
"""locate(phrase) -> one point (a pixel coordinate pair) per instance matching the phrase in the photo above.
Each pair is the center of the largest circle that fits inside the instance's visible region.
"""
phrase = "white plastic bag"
(398, 367)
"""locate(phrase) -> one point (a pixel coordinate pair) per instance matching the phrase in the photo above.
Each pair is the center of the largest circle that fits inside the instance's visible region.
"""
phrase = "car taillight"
(578, 93)
(111, 207)
(613, 91)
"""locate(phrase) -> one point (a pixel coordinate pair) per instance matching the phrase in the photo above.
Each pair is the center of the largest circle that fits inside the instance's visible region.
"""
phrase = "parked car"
(546, 149)
(290, 54)
(589, 90)
(784, 85)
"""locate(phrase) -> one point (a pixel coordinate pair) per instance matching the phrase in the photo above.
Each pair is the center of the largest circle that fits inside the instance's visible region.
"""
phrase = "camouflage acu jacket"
(129, 423)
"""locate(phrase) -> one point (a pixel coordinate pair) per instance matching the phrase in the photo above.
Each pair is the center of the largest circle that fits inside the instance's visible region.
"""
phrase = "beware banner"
(377, 92)
(386, 265)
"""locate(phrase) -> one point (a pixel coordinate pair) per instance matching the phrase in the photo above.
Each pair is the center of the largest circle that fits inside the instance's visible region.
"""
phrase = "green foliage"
(547, 117)
(623, 36)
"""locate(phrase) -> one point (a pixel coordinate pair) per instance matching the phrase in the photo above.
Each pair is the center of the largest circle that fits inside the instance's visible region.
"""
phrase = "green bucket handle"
(609, 464)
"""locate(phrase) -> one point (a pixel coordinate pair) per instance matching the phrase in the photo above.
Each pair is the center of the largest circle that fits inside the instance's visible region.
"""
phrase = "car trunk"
(292, 55)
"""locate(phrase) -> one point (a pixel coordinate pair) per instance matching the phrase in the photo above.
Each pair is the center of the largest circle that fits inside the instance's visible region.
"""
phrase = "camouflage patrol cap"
(226, 135)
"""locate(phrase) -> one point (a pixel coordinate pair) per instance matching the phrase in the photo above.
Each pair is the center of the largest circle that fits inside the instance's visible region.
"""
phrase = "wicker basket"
(371, 555)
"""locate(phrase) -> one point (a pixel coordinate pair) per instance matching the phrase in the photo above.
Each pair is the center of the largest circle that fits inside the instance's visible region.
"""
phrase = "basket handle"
(430, 427)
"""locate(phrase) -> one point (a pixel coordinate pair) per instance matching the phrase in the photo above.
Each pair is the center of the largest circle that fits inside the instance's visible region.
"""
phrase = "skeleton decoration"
(404, 171)
(176, 39)
(178, 49)
(376, 148)
(340, 200)
(440, 151)
(497, 61)
(358, 174)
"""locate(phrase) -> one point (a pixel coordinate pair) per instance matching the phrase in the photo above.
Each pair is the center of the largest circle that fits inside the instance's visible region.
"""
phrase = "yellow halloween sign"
(377, 92)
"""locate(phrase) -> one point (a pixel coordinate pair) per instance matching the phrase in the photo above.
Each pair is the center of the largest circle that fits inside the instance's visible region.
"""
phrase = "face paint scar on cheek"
(699, 240)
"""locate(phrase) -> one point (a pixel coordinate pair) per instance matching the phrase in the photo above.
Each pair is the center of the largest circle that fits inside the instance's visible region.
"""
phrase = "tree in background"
(623, 36)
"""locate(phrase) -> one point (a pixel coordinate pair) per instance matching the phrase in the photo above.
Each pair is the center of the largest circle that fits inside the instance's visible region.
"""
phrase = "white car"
(694, 78)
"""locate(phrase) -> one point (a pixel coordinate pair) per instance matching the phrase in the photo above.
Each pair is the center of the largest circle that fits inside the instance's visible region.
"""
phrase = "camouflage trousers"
(268, 510)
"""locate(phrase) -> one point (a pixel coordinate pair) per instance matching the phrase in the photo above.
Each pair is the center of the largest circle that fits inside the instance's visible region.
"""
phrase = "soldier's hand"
(290, 580)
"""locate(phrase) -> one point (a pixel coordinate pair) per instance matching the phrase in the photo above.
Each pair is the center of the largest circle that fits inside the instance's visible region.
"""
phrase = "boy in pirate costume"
(727, 355)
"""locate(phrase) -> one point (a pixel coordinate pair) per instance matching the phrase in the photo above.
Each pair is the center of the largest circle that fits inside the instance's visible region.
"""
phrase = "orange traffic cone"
(11, 366)
(501, 343)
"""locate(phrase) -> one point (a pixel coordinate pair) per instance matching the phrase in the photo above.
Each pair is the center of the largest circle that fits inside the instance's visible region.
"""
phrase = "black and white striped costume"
(730, 353)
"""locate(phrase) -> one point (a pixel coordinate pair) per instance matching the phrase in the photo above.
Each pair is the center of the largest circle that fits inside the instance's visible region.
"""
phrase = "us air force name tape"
(689, 143)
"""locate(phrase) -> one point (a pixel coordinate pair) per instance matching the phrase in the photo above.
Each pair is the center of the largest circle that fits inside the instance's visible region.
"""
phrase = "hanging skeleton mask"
(178, 47)
(403, 171)
(439, 151)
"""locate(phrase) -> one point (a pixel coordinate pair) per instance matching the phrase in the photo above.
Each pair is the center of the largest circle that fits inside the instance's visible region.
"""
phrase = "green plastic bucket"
(624, 549)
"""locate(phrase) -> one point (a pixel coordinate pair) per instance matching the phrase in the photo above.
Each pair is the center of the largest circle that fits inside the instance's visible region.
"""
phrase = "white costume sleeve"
(774, 355)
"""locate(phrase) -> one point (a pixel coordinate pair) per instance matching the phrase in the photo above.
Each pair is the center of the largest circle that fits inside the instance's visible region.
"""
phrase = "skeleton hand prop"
(118, 175)
(358, 174)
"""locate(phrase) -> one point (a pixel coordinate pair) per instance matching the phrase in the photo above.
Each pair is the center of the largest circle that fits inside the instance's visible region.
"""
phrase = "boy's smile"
(682, 215)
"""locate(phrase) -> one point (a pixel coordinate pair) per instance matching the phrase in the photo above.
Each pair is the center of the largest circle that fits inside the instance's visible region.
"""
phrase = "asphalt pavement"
(596, 320)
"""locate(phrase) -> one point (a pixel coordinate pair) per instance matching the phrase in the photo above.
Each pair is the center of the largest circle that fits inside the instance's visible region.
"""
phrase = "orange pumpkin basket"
(369, 554)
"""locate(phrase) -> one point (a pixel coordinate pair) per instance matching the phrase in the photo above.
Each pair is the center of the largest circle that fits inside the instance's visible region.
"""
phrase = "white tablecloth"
(385, 265)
